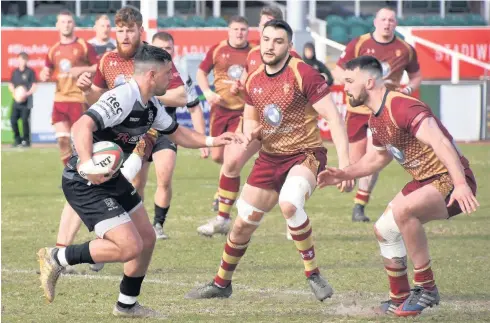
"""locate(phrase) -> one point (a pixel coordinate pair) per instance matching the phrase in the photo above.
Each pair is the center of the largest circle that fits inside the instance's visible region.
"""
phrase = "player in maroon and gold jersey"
(283, 100)
(227, 60)
(443, 184)
(66, 60)
(396, 56)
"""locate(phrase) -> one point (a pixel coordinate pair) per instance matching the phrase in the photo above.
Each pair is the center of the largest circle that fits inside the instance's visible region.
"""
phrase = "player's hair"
(162, 35)
(280, 24)
(366, 63)
(104, 16)
(386, 8)
(149, 56)
(65, 12)
(239, 19)
(273, 11)
(23, 55)
(128, 16)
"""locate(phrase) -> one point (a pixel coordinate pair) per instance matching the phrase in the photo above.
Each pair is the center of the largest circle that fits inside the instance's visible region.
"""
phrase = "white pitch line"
(161, 282)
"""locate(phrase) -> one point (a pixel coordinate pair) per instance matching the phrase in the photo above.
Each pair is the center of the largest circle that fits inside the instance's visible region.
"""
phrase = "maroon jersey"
(61, 58)
(254, 59)
(284, 102)
(394, 127)
(113, 70)
(228, 64)
(395, 57)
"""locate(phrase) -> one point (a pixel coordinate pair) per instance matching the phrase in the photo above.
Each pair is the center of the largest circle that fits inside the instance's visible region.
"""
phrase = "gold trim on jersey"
(361, 40)
(251, 76)
(83, 44)
(252, 50)
(221, 44)
(293, 63)
(51, 50)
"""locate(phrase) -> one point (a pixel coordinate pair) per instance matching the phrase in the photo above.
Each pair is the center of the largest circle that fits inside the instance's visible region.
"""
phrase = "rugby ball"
(107, 153)
(20, 94)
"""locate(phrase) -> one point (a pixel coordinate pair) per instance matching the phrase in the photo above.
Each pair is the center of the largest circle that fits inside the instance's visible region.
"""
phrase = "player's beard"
(275, 60)
(128, 53)
(360, 100)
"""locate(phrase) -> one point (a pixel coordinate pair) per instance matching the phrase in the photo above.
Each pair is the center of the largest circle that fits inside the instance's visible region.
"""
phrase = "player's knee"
(149, 239)
(287, 209)
(294, 192)
(217, 158)
(402, 213)
(131, 250)
(249, 214)
(164, 186)
(389, 237)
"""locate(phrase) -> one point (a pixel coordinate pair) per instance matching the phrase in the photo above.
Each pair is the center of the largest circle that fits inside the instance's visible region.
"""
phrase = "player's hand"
(144, 147)
(346, 186)
(214, 98)
(465, 197)
(94, 173)
(226, 138)
(237, 87)
(204, 152)
(84, 82)
(331, 176)
(45, 74)
(76, 71)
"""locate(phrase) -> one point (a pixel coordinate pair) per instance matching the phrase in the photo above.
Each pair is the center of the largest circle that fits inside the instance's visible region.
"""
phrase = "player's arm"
(11, 87)
(348, 54)
(92, 88)
(186, 137)
(327, 109)
(430, 134)
(373, 161)
(93, 93)
(175, 97)
(414, 74)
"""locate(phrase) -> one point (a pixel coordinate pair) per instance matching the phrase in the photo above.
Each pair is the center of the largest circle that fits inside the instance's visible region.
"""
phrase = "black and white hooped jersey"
(121, 116)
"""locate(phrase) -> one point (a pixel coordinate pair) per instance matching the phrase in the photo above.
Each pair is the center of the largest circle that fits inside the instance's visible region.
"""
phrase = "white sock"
(220, 218)
(62, 257)
(125, 299)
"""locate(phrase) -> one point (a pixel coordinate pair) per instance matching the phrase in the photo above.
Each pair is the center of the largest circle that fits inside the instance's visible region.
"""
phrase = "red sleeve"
(176, 79)
(408, 114)
(208, 63)
(314, 86)
(91, 54)
(349, 53)
(413, 65)
(99, 79)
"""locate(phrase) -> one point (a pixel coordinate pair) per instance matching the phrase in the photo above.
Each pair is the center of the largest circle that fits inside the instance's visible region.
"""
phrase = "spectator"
(102, 41)
(22, 85)
(309, 58)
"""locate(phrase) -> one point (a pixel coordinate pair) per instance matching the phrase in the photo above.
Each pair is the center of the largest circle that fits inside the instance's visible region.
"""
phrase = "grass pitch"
(269, 285)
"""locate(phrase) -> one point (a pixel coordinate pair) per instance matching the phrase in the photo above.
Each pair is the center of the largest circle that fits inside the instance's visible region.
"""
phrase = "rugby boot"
(210, 290)
(215, 226)
(418, 301)
(320, 287)
(358, 214)
(137, 311)
(49, 272)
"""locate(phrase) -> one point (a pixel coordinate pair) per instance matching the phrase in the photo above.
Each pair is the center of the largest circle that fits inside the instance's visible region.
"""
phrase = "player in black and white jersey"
(106, 202)
(102, 42)
(165, 152)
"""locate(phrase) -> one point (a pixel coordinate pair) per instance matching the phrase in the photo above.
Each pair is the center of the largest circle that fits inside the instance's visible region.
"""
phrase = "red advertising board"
(36, 43)
(474, 42)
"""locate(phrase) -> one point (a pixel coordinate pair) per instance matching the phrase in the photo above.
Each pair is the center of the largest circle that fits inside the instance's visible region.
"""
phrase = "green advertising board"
(7, 99)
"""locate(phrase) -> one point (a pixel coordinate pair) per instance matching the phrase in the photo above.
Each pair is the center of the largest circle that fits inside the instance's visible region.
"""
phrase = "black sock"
(78, 254)
(130, 286)
(160, 214)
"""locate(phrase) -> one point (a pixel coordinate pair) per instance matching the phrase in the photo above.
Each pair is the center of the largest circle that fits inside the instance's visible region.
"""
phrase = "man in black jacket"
(25, 77)
(309, 58)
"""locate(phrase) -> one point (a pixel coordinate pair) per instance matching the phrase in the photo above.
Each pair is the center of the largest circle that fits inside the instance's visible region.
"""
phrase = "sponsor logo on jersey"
(65, 65)
(273, 115)
(131, 119)
(235, 72)
(397, 153)
(111, 205)
(114, 105)
(126, 138)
